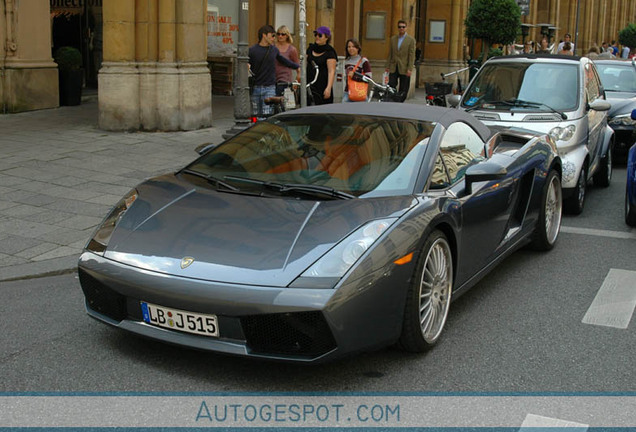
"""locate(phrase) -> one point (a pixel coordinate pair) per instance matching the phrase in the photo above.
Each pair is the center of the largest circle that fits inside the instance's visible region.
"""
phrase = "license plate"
(175, 319)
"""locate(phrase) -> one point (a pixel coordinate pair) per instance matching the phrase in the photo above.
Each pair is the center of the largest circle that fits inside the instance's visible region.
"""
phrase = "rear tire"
(549, 222)
(428, 297)
(576, 202)
(603, 177)
(630, 211)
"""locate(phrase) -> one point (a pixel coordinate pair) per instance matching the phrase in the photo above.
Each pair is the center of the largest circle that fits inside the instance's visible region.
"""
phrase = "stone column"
(155, 74)
(118, 79)
(28, 75)
(195, 84)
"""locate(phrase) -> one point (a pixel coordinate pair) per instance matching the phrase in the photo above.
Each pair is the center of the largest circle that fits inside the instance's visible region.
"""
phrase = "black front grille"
(102, 299)
(299, 333)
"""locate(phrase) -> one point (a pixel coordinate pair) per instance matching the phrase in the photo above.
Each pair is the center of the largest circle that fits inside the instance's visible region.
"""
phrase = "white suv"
(558, 95)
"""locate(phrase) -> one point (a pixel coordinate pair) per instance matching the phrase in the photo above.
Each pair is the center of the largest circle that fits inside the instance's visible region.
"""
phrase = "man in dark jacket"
(262, 65)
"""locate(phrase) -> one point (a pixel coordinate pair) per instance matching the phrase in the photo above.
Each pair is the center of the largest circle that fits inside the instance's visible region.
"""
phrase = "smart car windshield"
(523, 86)
(321, 156)
(617, 77)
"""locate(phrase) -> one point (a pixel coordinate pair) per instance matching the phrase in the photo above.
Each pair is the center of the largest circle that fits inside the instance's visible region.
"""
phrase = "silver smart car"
(558, 95)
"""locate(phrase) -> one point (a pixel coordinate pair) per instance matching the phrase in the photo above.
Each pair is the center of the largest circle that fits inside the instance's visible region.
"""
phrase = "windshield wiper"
(518, 103)
(483, 104)
(522, 103)
(315, 190)
(273, 185)
(283, 188)
(211, 179)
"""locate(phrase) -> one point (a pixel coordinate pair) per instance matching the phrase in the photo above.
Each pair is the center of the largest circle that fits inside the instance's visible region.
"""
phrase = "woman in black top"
(325, 57)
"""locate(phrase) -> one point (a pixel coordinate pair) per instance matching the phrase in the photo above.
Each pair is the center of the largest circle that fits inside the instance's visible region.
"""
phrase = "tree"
(627, 36)
(493, 21)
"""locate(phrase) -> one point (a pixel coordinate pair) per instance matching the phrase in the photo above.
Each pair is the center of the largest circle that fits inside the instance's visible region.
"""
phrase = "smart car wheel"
(630, 211)
(549, 222)
(603, 177)
(577, 200)
(429, 296)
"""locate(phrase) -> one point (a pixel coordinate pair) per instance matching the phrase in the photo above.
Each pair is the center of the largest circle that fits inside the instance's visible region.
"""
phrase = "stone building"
(155, 64)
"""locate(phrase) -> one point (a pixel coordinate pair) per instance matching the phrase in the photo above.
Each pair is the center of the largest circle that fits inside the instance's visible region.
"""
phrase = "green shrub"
(495, 52)
(627, 36)
(68, 58)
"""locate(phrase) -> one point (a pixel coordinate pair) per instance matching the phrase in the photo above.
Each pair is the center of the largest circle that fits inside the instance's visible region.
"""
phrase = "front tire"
(603, 177)
(549, 223)
(576, 202)
(428, 298)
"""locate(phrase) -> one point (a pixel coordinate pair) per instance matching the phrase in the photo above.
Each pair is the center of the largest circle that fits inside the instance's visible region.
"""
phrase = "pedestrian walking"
(544, 46)
(566, 39)
(284, 74)
(325, 57)
(401, 60)
(354, 62)
(262, 64)
(566, 49)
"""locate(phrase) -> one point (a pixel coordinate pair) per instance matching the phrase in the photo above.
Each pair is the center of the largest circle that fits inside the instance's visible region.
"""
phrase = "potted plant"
(71, 74)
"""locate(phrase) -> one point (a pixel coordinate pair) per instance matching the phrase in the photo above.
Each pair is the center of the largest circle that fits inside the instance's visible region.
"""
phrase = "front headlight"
(562, 133)
(100, 239)
(336, 262)
(622, 120)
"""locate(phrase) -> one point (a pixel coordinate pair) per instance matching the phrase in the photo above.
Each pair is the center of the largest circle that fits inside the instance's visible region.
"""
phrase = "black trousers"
(405, 83)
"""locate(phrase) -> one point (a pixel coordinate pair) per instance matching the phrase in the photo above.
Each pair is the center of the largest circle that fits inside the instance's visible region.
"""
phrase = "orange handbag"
(357, 89)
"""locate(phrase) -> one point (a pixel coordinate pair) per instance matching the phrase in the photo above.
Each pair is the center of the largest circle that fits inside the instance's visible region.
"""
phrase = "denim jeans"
(260, 93)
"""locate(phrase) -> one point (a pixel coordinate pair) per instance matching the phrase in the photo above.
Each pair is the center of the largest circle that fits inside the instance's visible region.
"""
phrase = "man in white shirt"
(566, 38)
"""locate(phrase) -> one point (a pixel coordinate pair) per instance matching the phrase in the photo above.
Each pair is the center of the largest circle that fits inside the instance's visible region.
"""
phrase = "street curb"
(52, 267)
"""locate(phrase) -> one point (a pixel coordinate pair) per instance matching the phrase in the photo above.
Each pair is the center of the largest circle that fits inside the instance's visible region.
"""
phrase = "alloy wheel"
(435, 290)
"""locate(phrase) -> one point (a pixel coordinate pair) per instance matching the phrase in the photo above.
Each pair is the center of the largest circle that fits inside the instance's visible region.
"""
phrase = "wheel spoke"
(435, 290)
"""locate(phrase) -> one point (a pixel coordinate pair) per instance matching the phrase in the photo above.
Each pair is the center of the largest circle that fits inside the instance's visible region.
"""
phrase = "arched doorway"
(78, 23)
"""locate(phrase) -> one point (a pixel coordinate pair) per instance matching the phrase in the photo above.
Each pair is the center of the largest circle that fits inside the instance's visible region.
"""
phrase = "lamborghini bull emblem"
(186, 261)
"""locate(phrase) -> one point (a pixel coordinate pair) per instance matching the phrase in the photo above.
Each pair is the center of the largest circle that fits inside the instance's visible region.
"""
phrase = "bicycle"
(281, 103)
(436, 93)
(385, 93)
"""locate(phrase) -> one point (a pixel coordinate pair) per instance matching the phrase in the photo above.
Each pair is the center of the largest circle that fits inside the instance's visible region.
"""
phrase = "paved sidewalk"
(60, 174)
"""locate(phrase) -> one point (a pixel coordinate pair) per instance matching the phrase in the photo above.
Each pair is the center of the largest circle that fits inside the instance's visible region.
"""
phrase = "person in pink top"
(284, 74)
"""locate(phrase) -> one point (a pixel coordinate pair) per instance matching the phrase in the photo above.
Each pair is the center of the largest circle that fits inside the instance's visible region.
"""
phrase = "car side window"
(460, 147)
(439, 177)
(592, 85)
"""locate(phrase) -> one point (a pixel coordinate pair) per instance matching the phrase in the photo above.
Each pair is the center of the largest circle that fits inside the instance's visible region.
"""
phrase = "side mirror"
(634, 114)
(453, 100)
(600, 105)
(484, 171)
(204, 148)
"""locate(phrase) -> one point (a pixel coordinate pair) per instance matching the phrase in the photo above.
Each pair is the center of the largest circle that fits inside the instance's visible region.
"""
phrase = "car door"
(596, 119)
(485, 210)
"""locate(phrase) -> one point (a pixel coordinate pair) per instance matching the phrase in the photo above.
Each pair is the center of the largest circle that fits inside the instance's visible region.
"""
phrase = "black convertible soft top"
(433, 114)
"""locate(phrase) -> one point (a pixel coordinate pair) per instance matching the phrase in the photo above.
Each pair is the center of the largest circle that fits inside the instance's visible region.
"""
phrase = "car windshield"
(617, 77)
(355, 155)
(523, 86)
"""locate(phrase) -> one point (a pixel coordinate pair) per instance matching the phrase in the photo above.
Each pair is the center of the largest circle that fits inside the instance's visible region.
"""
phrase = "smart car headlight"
(336, 262)
(622, 120)
(562, 133)
(102, 235)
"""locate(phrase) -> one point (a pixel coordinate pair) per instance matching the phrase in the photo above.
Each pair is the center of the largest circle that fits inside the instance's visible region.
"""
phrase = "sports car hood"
(622, 103)
(235, 238)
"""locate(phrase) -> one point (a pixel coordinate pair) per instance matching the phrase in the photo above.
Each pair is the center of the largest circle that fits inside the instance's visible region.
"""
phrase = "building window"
(376, 25)
(285, 14)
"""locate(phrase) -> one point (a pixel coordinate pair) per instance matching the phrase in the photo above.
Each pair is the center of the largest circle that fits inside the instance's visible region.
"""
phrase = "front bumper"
(290, 324)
